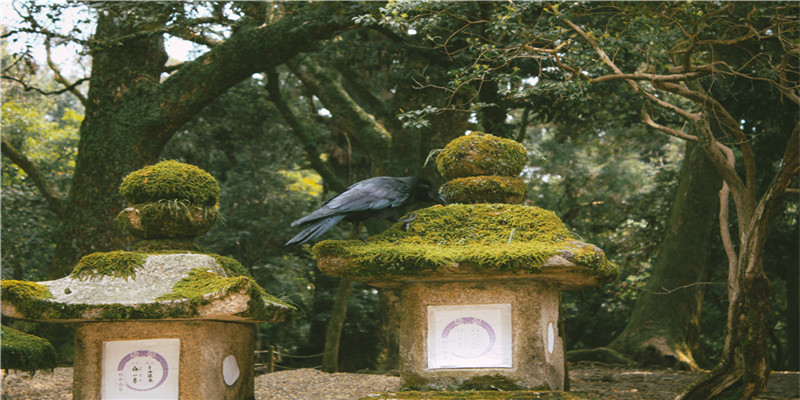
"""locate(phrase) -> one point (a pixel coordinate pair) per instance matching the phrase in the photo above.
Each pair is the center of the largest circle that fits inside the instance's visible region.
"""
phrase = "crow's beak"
(437, 198)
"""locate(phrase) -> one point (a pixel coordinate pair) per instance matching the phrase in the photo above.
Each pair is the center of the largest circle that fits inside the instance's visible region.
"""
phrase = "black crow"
(383, 196)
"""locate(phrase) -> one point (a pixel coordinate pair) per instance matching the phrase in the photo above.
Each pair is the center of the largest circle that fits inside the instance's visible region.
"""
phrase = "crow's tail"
(314, 230)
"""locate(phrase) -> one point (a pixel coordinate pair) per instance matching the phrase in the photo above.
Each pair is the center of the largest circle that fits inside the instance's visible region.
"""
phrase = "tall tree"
(132, 111)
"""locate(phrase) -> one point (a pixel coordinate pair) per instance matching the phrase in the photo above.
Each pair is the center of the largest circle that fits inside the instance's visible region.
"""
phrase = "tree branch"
(54, 200)
(26, 87)
(303, 133)
(60, 77)
(329, 90)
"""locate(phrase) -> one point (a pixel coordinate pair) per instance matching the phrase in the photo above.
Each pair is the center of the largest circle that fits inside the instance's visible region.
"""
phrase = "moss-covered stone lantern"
(479, 280)
(163, 321)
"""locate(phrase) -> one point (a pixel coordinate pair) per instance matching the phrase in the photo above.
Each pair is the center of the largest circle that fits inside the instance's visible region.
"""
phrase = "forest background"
(643, 121)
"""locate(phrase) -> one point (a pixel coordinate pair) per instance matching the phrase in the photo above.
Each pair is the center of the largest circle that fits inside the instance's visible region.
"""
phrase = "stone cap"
(471, 242)
(145, 287)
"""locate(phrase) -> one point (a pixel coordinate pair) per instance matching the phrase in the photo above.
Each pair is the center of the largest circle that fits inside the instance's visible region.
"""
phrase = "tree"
(664, 328)
(131, 112)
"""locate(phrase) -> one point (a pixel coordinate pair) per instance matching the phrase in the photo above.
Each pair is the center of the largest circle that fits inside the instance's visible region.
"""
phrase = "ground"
(592, 381)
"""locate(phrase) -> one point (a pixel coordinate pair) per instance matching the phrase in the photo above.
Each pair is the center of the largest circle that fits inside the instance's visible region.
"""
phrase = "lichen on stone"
(25, 352)
(485, 189)
(482, 237)
(481, 154)
(170, 180)
(120, 264)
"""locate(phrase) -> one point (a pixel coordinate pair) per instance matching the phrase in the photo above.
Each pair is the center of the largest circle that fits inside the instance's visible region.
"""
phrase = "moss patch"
(25, 352)
(170, 180)
(165, 246)
(202, 287)
(167, 219)
(120, 264)
(485, 237)
(25, 296)
(485, 189)
(481, 154)
(475, 395)
(490, 382)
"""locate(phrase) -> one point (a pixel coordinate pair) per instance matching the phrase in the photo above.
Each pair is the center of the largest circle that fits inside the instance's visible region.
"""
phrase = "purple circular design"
(145, 353)
(472, 321)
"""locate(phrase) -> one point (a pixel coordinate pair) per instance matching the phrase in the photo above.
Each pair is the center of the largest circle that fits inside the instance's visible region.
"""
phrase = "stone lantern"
(165, 320)
(479, 280)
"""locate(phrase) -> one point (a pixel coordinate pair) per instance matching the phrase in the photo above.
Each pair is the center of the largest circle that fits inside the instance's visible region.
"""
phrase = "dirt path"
(588, 380)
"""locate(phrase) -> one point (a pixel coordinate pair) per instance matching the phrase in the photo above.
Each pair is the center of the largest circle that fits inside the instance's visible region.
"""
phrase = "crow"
(382, 196)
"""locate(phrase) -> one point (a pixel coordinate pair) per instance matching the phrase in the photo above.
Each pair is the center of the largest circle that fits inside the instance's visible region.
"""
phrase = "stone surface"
(204, 347)
(155, 278)
(142, 296)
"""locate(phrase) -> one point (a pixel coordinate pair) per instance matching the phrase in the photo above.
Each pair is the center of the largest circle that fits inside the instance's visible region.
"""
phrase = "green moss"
(481, 154)
(25, 352)
(231, 266)
(485, 189)
(490, 382)
(167, 219)
(167, 246)
(170, 180)
(120, 264)
(27, 297)
(484, 237)
(478, 395)
(200, 284)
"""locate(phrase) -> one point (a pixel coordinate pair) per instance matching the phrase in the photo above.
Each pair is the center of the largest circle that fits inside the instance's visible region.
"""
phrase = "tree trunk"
(664, 327)
(109, 147)
(330, 356)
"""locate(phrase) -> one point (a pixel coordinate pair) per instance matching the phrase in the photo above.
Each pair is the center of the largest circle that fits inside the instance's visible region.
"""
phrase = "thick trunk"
(108, 149)
(664, 327)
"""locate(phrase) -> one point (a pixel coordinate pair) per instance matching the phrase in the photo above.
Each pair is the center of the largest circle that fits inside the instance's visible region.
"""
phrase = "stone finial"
(171, 201)
(482, 168)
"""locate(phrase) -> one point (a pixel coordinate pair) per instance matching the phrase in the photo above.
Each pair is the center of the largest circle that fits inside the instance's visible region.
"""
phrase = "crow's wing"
(372, 194)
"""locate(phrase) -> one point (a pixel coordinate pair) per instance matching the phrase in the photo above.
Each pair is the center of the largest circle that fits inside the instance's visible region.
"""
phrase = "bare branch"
(26, 87)
(60, 77)
(54, 200)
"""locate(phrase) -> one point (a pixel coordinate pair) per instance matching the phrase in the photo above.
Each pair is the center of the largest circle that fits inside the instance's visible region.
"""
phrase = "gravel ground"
(589, 380)
(302, 384)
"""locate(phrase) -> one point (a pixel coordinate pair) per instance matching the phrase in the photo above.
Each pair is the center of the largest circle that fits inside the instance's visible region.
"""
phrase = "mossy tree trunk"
(131, 112)
(664, 327)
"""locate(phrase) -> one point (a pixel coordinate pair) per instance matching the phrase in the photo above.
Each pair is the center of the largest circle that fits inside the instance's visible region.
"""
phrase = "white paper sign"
(469, 336)
(141, 369)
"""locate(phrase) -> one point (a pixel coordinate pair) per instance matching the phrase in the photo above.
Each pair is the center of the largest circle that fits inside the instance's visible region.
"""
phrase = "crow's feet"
(407, 221)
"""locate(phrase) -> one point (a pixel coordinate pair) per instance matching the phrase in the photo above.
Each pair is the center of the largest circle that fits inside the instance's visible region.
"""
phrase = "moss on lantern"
(170, 180)
(485, 189)
(200, 284)
(25, 352)
(485, 237)
(167, 219)
(120, 264)
(481, 154)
